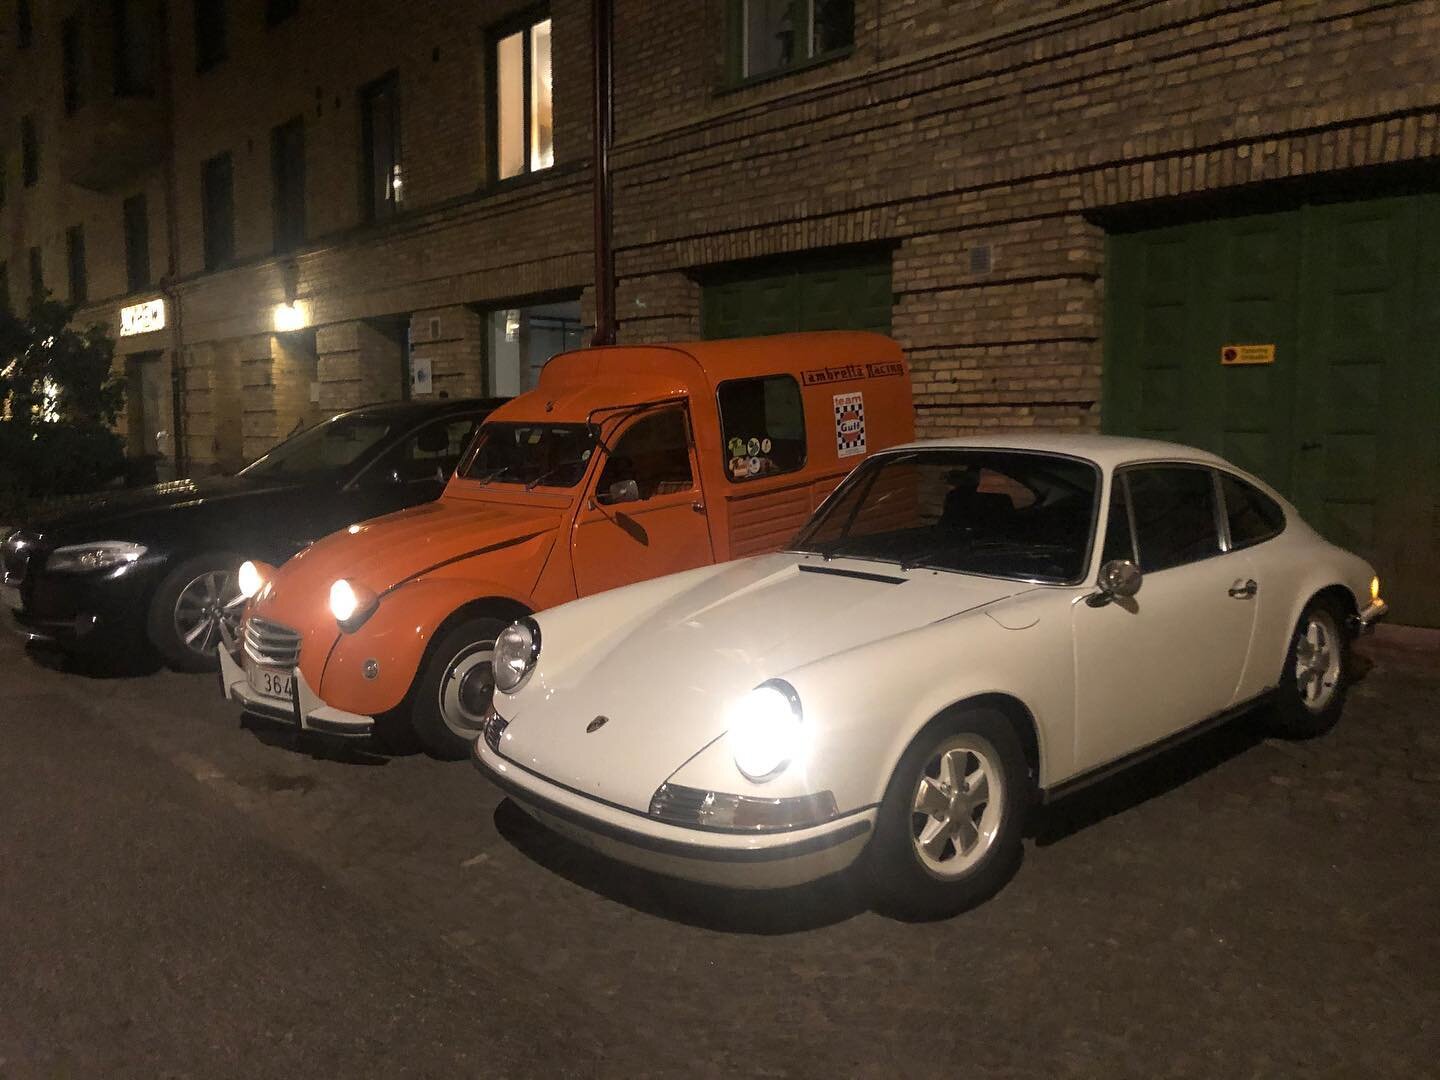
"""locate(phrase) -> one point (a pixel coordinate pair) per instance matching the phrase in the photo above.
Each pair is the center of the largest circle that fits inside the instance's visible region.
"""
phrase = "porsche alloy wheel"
(948, 832)
(455, 689)
(1315, 678)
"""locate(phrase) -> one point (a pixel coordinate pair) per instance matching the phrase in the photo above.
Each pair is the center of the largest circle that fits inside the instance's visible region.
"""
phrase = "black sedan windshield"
(1001, 513)
(554, 455)
(330, 447)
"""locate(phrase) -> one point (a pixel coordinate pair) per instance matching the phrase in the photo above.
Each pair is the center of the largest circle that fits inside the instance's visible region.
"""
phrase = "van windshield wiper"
(530, 485)
(492, 475)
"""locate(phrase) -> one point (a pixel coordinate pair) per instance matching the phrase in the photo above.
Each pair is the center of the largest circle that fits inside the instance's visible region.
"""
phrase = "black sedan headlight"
(100, 555)
(516, 650)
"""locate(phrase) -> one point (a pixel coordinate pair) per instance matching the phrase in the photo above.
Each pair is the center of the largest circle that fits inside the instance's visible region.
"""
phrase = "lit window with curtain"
(523, 89)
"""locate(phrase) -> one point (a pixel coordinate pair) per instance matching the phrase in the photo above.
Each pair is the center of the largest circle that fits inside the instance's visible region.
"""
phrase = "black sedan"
(158, 564)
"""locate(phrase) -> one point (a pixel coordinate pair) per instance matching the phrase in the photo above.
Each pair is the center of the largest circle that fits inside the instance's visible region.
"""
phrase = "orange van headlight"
(252, 576)
(351, 604)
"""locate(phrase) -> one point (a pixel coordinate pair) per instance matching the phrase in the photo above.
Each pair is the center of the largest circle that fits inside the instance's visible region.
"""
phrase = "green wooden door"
(1344, 421)
(849, 294)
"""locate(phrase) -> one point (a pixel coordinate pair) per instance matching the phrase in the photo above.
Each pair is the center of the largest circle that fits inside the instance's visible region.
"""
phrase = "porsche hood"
(665, 672)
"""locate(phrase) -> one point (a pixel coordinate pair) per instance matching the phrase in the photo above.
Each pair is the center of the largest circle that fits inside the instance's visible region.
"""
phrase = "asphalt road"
(185, 895)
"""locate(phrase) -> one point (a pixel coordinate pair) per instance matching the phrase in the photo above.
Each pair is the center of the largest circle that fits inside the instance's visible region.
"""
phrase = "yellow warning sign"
(1247, 354)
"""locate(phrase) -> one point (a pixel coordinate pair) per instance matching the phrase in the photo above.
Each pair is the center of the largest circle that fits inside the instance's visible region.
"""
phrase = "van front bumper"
(769, 860)
(303, 710)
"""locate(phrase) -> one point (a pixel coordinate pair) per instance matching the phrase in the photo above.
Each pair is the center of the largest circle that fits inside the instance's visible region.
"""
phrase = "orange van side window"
(762, 426)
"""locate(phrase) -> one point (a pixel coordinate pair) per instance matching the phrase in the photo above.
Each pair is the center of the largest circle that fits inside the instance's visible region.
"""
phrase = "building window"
(24, 27)
(70, 64)
(772, 35)
(29, 152)
(277, 11)
(137, 243)
(381, 191)
(4, 286)
(522, 92)
(287, 163)
(210, 43)
(37, 275)
(522, 339)
(217, 196)
(134, 48)
(75, 263)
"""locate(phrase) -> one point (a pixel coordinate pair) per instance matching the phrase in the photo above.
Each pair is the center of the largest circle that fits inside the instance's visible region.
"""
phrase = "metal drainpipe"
(602, 37)
(172, 252)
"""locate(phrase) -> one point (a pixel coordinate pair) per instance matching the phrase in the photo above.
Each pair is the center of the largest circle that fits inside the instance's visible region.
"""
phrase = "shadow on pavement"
(1140, 783)
(309, 744)
(736, 911)
(135, 664)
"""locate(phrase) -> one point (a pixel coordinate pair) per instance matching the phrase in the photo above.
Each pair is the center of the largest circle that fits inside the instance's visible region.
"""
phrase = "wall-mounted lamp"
(292, 316)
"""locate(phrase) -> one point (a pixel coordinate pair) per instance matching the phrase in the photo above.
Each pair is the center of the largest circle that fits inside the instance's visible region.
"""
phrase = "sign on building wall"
(142, 318)
(1247, 354)
(421, 376)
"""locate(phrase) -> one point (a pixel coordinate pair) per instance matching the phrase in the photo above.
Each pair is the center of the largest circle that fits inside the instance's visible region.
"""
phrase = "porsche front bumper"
(303, 709)
(748, 860)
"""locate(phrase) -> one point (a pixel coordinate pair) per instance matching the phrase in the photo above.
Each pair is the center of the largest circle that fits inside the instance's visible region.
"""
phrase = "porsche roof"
(1105, 450)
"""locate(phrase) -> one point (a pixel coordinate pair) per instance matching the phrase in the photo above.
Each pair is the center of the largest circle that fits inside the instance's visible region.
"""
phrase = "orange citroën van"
(625, 463)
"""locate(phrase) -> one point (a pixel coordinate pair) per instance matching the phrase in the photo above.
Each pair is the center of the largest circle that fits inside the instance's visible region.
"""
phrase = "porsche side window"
(1254, 517)
(1119, 543)
(654, 455)
(1174, 509)
(762, 426)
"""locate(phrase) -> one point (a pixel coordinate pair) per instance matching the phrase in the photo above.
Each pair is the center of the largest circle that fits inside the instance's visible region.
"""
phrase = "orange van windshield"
(555, 455)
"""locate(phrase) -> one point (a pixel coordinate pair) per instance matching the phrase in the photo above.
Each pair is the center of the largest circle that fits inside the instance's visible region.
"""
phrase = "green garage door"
(1345, 420)
(817, 294)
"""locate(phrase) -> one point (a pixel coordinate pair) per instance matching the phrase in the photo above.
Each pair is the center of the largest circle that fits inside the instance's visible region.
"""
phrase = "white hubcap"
(466, 688)
(1317, 660)
(956, 810)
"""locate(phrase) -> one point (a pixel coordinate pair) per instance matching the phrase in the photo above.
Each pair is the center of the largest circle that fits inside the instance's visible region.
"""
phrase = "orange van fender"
(397, 636)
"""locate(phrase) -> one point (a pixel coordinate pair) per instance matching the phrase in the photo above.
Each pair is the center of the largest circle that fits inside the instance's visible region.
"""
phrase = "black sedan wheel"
(195, 600)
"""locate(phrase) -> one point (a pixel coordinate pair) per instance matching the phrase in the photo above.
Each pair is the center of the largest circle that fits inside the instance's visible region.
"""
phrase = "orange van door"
(645, 516)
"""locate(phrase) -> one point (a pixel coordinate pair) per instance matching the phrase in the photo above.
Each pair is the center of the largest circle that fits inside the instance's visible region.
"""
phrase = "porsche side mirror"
(1119, 579)
(623, 491)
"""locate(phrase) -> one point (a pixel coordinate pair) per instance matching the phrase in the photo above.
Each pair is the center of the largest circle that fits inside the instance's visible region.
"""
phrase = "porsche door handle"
(1244, 590)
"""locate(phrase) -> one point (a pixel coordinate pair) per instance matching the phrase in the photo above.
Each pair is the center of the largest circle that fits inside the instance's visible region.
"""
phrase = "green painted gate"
(837, 293)
(1346, 419)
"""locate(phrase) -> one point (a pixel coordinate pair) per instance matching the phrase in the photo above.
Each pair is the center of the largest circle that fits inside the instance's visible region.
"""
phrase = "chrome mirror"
(1119, 578)
(623, 491)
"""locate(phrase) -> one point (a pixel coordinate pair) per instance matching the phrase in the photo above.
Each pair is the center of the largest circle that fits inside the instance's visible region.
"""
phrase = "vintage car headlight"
(516, 650)
(101, 555)
(252, 576)
(1374, 588)
(351, 604)
(766, 730)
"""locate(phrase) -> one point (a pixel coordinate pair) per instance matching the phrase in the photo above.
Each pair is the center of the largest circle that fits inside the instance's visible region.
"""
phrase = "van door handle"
(1243, 590)
(698, 507)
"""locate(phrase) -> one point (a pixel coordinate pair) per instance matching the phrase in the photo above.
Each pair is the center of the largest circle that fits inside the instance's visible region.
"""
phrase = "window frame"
(77, 278)
(72, 90)
(214, 259)
(1224, 510)
(521, 22)
(287, 235)
(629, 424)
(218, 39)
(1121, 473)
(735, 75)
(137, 255)
(278, 11)
(24, 25)
(127, 83)
(36, 259)
(370, 214)
(724, 440)
(29, 151)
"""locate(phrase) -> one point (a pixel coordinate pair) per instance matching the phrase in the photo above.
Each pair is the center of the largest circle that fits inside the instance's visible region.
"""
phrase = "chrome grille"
(270, 643)
(494, 727)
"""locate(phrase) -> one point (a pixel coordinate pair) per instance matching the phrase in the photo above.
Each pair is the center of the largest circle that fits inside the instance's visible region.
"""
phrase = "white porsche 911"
(963, 627)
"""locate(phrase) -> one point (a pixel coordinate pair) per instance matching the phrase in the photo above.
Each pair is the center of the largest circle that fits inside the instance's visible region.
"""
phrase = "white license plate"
(10, 597)
(272, 682)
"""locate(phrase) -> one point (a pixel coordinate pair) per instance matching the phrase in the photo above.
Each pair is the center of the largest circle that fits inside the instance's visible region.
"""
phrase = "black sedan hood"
(99, 513)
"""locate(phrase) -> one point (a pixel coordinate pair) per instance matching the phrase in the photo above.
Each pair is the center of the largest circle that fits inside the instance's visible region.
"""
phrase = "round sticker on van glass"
(753, 446)
(765, 445)
(753, 467)
(736, 446)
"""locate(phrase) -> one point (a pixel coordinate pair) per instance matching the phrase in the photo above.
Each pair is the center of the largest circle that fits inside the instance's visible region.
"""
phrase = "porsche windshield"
(531, 455)
(995, 512)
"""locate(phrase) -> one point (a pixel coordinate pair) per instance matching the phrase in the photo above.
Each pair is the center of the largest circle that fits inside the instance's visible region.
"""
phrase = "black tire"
(166, 616)
(902, 884)
(464, 647)
(1313, 685)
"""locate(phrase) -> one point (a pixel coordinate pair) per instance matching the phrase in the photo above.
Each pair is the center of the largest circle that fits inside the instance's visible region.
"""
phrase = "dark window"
(37, 275)
(75, 263)
(4, 286)
(24, 27)
(654, 455)
(217, 194)
(762, 423)
(1119, 541)
(287, 163)
(552, 455)
(29, 152)
(772, 35)
(277, 11)
(134, 48)
(210, 43)
(427, 455)
(380, 148)
(1174, 511)
(522, 117)
(1253, 516)
(137, 243)
(70, 64)
(2, 181)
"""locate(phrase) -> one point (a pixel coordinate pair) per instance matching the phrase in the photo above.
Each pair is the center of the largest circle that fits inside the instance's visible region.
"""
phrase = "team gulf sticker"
(850, 424)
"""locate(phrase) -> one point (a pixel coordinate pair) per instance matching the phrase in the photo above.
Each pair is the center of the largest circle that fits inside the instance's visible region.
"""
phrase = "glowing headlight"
(251, 577)
(516, 650)
(1375, 588)
(351, 604)
(766, 732)
(102, 555)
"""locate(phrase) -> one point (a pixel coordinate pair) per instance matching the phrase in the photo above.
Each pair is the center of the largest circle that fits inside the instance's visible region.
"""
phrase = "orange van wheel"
(455, 689)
